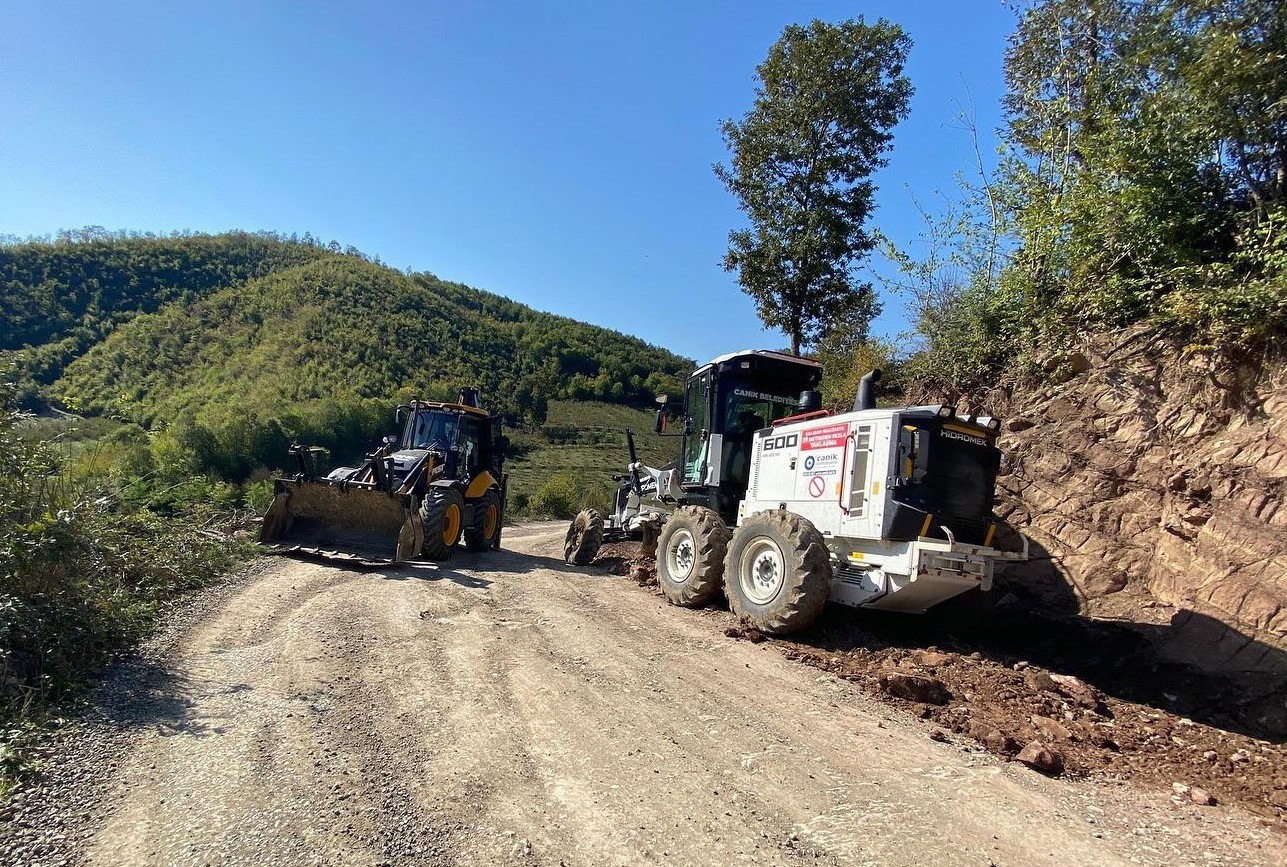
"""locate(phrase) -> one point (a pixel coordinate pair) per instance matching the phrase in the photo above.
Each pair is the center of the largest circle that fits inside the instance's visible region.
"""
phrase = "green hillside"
(341, 327)
(237, 345)
(60, 298)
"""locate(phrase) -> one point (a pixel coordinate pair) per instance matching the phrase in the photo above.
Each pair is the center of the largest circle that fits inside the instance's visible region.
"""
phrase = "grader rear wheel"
(690, 556)
(777, 573)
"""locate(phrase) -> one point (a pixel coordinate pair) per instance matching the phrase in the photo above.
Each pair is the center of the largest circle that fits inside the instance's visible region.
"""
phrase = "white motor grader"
(782, 506)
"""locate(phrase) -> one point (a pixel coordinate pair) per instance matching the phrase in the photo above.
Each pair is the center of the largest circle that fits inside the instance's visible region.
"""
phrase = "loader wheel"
(441, 514)
(778, 573)
(485, 532)
(690, 556)
(584, 538)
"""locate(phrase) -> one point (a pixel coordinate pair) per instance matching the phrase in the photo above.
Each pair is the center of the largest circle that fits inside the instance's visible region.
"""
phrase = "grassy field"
(585, 441)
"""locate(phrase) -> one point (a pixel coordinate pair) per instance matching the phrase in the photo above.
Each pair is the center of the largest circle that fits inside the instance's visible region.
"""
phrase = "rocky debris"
(1101, 691)
(1082, 694)
(745, 631)
(1196, 794)
(1006, 704)
(1040, 757)
(914, 687)
(1050, 729)
(626, 558)
(1039, 681)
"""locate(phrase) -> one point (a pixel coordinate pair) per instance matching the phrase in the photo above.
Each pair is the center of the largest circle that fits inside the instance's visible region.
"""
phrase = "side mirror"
(659, 424)
(397, 416)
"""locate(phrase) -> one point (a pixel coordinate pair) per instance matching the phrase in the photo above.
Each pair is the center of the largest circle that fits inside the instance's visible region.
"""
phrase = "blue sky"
(557, 153)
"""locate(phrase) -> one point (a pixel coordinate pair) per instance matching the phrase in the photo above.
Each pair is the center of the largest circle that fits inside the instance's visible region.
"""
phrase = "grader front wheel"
(690, 556)
(584, 538)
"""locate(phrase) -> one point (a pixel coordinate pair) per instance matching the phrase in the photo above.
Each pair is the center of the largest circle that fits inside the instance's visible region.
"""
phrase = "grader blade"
(350, 524)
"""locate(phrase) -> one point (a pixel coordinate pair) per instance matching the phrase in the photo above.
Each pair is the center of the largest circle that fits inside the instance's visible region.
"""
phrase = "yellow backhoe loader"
(419, 494)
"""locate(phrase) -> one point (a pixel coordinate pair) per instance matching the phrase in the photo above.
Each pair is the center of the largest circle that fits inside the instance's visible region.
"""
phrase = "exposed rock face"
(1151, 482)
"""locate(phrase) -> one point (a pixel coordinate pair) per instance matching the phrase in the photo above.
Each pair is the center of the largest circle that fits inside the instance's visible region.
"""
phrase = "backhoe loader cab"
(440, 481)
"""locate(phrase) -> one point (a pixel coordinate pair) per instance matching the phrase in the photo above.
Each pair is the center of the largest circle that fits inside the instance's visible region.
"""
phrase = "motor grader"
(782, 506)
(419, 494)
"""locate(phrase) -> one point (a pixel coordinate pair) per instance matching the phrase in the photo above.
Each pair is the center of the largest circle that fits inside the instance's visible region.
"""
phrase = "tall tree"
(1149, 157)
(801, 163)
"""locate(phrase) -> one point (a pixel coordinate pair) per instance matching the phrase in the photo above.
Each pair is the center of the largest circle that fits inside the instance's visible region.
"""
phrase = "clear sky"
(558, 153)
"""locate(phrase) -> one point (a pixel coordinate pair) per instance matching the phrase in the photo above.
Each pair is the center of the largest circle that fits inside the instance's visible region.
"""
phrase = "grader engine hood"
(945, 475)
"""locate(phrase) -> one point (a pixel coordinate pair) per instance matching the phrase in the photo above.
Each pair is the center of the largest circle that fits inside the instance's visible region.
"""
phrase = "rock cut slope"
(1152, 481)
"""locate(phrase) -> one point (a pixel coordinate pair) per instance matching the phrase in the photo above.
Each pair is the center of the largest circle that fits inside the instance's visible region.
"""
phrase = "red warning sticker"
(831, 436)
(816, 486)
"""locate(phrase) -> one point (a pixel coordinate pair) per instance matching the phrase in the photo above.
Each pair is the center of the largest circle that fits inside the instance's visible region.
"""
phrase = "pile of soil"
(1066, 695)
(623, 558)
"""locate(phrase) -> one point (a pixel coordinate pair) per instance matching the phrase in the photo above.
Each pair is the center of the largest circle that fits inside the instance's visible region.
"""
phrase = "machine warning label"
(831, 436)
(817, 486)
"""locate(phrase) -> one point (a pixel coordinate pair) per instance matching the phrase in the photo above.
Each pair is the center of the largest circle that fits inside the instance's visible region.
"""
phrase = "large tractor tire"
(585, 537)
(777, 574)
(484, 533)
(690, 556)
(442, 516)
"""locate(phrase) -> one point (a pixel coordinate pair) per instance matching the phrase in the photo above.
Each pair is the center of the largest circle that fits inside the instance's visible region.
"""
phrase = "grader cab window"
(697, 402)
(913, 450)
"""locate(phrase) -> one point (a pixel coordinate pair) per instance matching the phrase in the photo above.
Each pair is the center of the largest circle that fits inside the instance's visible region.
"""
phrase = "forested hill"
(59, 299)
(207, 328)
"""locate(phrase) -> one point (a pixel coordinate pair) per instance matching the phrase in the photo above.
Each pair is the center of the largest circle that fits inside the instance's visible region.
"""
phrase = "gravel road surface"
(505, 708)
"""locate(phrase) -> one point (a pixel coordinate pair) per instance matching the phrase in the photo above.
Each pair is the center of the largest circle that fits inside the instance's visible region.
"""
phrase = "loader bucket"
(353, 524)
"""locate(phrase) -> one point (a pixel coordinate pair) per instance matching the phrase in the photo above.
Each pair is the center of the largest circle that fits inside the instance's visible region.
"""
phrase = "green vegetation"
(62, 297)
(91, 553)
(300, 344)
(1144, 180)
(568, 464)
(801, 166)
(222, 350)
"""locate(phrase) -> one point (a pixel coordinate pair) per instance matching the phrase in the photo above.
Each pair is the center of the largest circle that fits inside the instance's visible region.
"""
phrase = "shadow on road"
(148, 695)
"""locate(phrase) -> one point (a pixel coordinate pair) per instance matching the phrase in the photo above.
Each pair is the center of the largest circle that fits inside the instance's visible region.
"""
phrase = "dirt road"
(507, 709)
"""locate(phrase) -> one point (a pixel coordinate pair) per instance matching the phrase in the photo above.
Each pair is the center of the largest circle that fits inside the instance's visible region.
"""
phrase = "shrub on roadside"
(86, 566)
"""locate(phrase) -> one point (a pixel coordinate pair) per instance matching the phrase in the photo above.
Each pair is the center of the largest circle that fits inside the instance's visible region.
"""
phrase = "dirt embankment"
(1151, 481)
